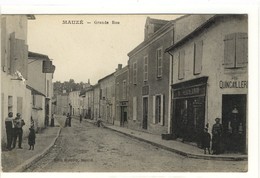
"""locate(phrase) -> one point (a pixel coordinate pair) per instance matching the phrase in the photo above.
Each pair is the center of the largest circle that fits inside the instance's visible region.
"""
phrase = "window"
(146, 68)
(158, 109)
(159, 59)
(10, 104)
(33, 100)
(134, 108)
(124, 89)
(235, 50)
(181, 64)
(198, 50)
(135, 73)
(19, 104)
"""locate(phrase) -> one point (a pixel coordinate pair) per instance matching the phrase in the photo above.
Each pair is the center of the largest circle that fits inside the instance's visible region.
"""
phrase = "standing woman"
(217, 131)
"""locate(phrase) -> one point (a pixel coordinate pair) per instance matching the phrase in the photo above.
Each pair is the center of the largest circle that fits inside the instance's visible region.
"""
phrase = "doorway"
(145, 112)
(123, 116)
(234, 122)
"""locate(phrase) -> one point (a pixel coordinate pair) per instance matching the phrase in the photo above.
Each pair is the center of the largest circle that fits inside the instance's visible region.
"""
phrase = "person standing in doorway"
(80, 118)
(52, 120)
(18, 130)
(217, 131)
(9, 127)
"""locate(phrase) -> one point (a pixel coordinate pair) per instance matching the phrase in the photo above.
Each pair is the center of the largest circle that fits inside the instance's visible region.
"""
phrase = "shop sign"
(191, 91)
(233, 84)
(145, 90)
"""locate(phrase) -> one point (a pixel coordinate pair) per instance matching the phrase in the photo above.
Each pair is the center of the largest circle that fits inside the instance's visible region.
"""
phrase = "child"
(206, 138)
(31, 138)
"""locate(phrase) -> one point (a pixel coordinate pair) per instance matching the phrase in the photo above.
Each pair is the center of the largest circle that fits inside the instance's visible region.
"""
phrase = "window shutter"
(134, 108)
(25, 61)
(198, 50)
(241, 49)
(154, 109)
(3, 45)
(12, 53)
(47, 66)
(229, 51)
(20, 61)
(181, 64)
(162, 113)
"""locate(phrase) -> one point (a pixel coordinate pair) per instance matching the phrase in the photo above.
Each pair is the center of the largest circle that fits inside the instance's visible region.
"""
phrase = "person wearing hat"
(217, 131)
(9, 130)
(18, 130)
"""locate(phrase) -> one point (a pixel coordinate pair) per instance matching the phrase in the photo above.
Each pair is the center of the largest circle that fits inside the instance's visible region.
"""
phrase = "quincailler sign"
(233, 84)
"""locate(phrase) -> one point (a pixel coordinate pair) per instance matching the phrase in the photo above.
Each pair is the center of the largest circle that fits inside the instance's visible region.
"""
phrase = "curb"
(37, 157)
(188, 155)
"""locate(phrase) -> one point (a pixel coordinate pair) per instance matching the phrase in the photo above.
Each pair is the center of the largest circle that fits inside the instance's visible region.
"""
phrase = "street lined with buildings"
(187, 81)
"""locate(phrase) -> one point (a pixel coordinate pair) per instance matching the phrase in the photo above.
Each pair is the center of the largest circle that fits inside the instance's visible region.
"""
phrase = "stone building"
(62, 104)
(87, 103)
(74, 103)
(40, 75)
(149, 79)
(107, 98)
(96, 110)
(15, 96)
(121, 96)
(210, 80)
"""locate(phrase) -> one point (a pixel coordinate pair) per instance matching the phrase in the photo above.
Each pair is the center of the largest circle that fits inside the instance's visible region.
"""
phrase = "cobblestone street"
(87, 148)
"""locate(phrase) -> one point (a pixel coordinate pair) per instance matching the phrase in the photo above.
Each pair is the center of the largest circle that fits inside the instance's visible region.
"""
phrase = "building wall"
(107, 102)
(15, 88)
(213, 65)
(96, 102)
(74, 101)
(156, 85)
(88, 101)
(62, 104)
(121, 76)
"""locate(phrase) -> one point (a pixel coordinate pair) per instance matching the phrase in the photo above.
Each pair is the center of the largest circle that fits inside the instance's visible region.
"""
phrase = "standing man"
(9, 127)
(80, 118)
(18, 130)
(217, 131)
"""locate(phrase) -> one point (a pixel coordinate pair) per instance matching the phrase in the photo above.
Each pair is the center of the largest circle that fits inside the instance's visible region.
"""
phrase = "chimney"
(119, 67)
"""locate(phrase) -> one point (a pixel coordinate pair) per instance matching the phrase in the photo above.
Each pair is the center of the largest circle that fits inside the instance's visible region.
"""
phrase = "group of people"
(14, 130)
(217, 131)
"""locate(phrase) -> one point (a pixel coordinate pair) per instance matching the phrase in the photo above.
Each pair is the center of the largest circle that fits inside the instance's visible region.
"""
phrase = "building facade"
(40, 75)
(210, 80)
(107, 98)
(121, 96)
(74, 103)
(15, 96)
(96, 110)
(62, 104)
(149, 79)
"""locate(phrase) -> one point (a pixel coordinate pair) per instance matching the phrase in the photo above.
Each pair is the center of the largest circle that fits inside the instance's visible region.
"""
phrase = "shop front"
(188, 119)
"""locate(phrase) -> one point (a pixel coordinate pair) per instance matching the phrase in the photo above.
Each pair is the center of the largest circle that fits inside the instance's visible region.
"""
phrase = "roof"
(34, 91)
(106, 77)
(197, 31)
(83, 92)
(37, 56)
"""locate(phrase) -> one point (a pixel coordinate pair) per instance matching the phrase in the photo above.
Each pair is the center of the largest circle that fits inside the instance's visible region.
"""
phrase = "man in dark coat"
(217, 131)
(18, 130)
(9, 127)
(205, 142)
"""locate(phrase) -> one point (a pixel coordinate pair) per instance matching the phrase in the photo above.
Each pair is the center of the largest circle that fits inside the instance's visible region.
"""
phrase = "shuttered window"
(146, 68)
(19, 105)
(181, 64)
(124, 89)
(159, 59)
(134, 108)
(158, 109)
(235, 50)
(198, 51)
(135, 73)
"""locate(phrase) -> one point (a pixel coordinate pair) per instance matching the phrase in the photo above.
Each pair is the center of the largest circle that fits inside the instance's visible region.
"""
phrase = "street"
(87, 148)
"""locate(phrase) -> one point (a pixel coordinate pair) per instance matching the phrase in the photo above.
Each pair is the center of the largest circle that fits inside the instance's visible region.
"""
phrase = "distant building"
(15, 96)
(107, 98)
(210, 80)
(87, 102)
(62, 104)
(74, 103)
(121, 96)
(96, 110)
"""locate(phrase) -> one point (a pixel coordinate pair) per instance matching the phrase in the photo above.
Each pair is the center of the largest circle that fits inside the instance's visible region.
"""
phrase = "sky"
(87, 51)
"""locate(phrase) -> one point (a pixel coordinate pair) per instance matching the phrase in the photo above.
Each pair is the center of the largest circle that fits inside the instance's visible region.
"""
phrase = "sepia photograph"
(124, 92)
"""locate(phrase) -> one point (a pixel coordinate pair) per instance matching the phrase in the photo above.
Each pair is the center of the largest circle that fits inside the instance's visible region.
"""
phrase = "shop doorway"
(123, 116)
(189, 119)
(145, 112)
(234, 122)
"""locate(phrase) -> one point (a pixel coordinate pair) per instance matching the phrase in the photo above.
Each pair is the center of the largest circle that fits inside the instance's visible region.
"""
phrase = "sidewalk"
(174, 145)
(19, 159)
